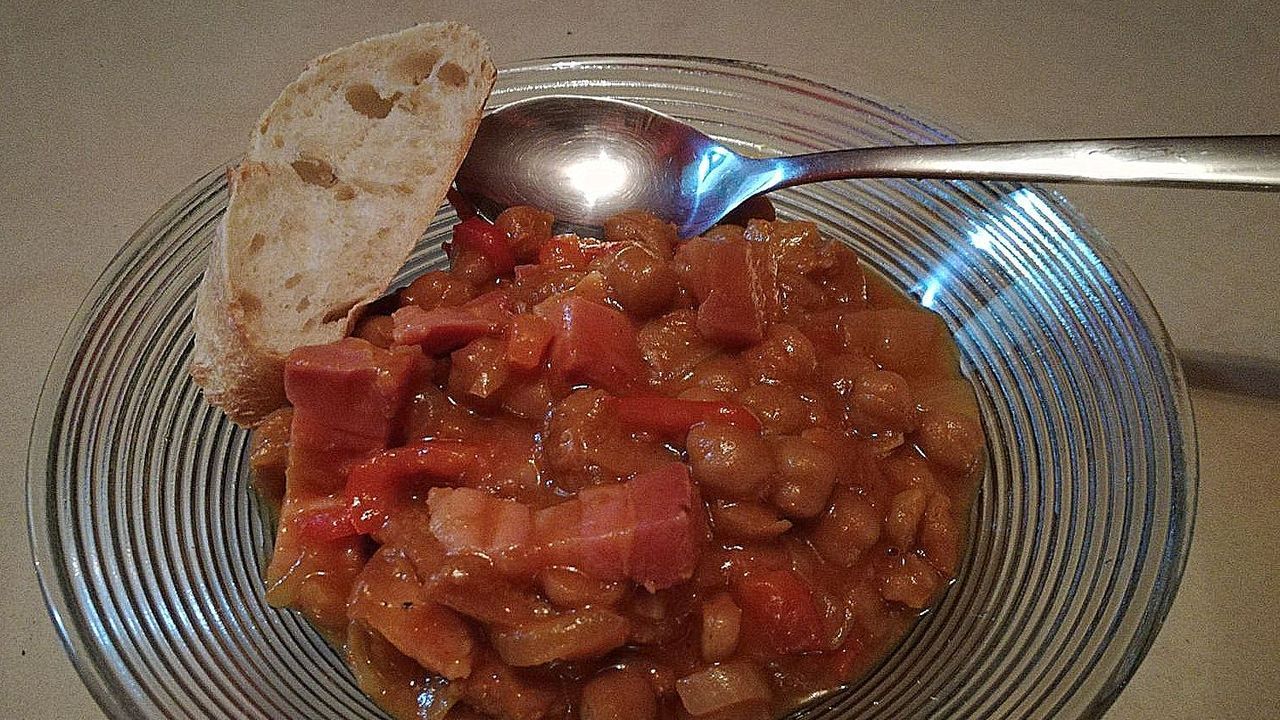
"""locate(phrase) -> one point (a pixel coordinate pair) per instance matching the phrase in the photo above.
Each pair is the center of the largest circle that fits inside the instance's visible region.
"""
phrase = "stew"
(629, 477)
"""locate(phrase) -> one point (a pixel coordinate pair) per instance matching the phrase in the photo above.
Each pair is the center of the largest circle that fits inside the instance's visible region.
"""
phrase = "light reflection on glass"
(985, 237)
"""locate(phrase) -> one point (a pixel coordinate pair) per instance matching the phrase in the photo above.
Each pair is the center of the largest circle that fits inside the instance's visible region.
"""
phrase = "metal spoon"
(585, 159)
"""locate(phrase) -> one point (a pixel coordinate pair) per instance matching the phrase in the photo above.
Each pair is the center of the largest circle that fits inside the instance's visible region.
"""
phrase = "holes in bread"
(415, 67)
(314, 171)
(249, 305)
(292, 281)
(256, 243)
(344, 192)
(365, 99)
(338, 312)
(452, 74)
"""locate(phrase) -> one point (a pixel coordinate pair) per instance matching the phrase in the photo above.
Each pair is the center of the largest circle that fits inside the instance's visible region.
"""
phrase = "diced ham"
(438, 331)
(350, 386)
(669, 527)
(607, 531)
(731, 315)
(595, 345)
(649, 529)
(346, 396)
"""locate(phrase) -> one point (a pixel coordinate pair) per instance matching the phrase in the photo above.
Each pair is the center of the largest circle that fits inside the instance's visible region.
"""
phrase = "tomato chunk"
(595, 345)
(373, 485)
(479, 235)
(781, 605)
(673, 417)
(437, 331)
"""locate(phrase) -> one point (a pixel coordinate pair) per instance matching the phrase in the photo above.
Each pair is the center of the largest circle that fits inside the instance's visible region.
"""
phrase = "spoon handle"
(1236, 162)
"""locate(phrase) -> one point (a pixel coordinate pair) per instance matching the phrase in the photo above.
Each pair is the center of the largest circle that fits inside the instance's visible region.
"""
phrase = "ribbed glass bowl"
(150, 543)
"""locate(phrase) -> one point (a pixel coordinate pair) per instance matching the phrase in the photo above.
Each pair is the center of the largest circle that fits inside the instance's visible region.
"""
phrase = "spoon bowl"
(585, 159)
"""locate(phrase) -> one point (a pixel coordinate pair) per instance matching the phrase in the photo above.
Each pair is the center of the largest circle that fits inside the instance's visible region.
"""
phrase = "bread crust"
(345, 171)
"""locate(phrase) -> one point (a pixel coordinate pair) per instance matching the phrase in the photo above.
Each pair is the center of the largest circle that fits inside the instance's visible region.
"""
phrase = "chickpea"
(747, 521)
(952, 441)
(720, 373)
(804, 479)
(883, 396)
(780, 411)
(618, 695)
(840, 372)
(644, 285)
(785, 354)
(940, 535)
(728, 461)
(527, 228)
(905, 510)
(849, 527)
(436, 289)
(643, 228)
(912, 583)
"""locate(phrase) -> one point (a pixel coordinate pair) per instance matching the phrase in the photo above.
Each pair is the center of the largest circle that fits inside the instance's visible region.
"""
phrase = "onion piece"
(573, 635)
(721, 622)
(719, 687)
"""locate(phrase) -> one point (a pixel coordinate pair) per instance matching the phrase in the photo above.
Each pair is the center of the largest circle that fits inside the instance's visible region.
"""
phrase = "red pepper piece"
(325, 520)
(374, 484)
(781, 605)
(475, 234)
(674, 417)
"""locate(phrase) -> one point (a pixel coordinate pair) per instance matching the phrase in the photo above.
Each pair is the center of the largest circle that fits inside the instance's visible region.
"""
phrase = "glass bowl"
(150, 544)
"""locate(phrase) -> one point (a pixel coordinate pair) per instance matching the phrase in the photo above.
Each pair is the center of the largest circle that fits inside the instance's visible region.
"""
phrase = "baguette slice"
(344, 172)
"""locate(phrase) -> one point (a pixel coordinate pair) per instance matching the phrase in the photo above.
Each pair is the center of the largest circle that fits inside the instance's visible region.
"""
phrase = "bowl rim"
(46, 547)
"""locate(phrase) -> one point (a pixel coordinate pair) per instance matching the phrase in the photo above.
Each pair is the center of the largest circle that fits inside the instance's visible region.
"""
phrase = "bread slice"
(344, 172)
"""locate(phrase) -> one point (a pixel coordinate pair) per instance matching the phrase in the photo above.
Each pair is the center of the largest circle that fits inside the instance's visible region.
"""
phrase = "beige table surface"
(107, 110)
